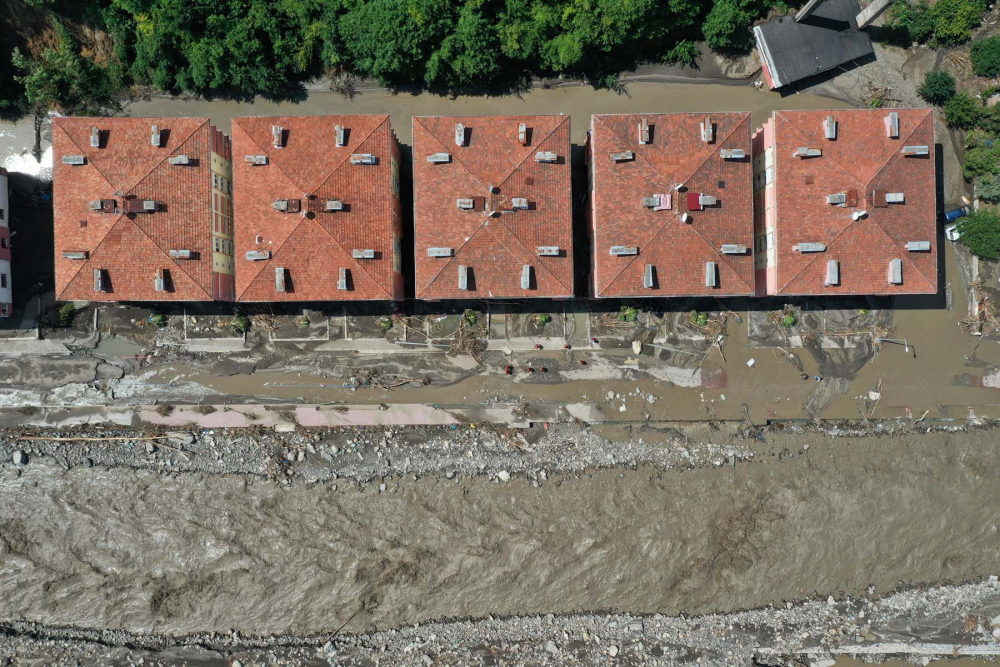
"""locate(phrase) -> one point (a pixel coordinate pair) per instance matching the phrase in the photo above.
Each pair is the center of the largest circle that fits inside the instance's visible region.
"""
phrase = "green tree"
(727, 26)
(955, 19)
(981, 158)
(469, 54)
(938, 87)
(980, 232)
(988, 187)
(962, 111)
(985, 56)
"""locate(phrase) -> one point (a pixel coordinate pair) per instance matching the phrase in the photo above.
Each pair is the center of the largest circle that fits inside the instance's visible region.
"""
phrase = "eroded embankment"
(116, 548)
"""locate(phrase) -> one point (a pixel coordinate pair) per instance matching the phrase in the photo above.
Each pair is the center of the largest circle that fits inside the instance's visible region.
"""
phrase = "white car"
(951, 232)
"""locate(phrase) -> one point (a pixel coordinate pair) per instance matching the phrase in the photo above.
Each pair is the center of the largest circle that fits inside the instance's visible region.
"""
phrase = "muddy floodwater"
(115, 548)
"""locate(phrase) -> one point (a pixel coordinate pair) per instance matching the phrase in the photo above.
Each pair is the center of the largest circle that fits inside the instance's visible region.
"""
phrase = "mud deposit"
(148, 553)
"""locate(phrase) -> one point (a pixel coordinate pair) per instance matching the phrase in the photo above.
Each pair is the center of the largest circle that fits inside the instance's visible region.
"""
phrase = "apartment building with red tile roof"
(318, 206)
(846, 203)
(670, 205)
(492, 207)
(133, 209)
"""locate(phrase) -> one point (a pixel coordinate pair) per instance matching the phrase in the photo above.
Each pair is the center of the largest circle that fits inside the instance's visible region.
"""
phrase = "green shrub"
(699, 319)
(962, 111)
(628, 314)
(240, 324)
(988, 187)
(980, 232)
(158, 320)
(541, 319)
(938, 87)
(66, 314)
(982, 157)
(304, 321)
(470, 317)
(913, 21)
(989, 120)
(947, 22)
(788, 319)
(385, 323)
(985, 56)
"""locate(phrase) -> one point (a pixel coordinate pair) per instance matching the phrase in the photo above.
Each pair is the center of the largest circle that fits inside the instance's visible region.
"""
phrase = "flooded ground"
(177, 554)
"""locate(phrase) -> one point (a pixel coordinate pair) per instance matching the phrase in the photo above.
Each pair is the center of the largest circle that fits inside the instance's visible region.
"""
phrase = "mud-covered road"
(178, 554)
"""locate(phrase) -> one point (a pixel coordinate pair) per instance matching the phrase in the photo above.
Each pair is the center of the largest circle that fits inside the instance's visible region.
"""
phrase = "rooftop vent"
(76, 254)
(684, 217)
(707, 200)
(643, 131)
(892, 125)
(255, 160)
(155, 140)
(74, 159)
(95, 138)
(895, 273)
(707, 131)
(179, 160)
(803, 152)
(333, 205)
(810, 247)
(367, 253)
(621, 250)
(519, 203)
(623, 156)
(459, 134)
(522, 134)
(279, 279)
(158, 282)
(466, 204)
(711, 275)
(440, 252)
(98, 280)
(546, 156)
(916, 150)
(149, 205)
(647, 277)
(258, 255)
(463, 277)
(439, 158)
(838, 198)
(342, 280)
(918, 246)
(830, 128)
(651, 202)
(832, 273)
(526, 276)
(732, 153)
(338, 130)
(287, 205)
(362, 158)
(278, 136)
(547, 251)
(894, 198)
(180, 254)
(733, 249)
(857, 215)
(95, 205)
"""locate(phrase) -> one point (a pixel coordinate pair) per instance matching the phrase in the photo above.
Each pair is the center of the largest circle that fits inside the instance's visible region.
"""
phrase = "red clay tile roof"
(679, 251)
(862, 159)
(314, 245)
(494, 246)
(131, 248)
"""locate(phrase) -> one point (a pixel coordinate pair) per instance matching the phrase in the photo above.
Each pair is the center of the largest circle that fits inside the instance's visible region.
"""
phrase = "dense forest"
(245, 48)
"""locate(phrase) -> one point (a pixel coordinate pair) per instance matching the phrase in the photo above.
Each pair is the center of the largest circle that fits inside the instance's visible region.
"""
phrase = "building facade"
(6, 289)
(492, 207)
(319, 210)
(223, 247)
(670, 205)
(845, 203)
(133, 209)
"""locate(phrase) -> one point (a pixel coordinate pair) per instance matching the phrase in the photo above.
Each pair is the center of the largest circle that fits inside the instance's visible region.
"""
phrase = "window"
(3, 242)
(216, 240)
(1, 214)
(3, 279)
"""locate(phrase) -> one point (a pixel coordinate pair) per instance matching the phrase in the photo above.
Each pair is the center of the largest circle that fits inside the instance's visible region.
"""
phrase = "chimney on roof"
(255, 160)
(918, 246)
(463, 277)
(892, 125)
(732, 153)
(643, 131)
(459, 134)
(278, 136)
(839, 198)
(342, 280)
(95, 137)
(733, 249)
(279, 279)
(75, 254)
(707, 132)
(363, 158)
(711, 275)
(916, 150)
(546, 156)
(547, 251)
(466, 204)
(623, 156)
(339, 131)
(334, 205)
(832, 273)
(895, 274)
(526, 276)
(522, 134)
(707, 200)
(805, 151)
(75, 160)
(158, 283)
(647, 277)
(179, 160)
(519, 203)
(894, 197)
(365, 253)
(156, 136)
(98, 280)
(830, 128)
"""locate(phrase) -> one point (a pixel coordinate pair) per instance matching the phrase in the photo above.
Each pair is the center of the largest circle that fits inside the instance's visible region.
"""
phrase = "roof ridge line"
(528, 154)
(455, 160)
(91, 252)
(452, 259)
(344, 250)
(527, 251)
(896, 155)
(167, 156)
(344, 161)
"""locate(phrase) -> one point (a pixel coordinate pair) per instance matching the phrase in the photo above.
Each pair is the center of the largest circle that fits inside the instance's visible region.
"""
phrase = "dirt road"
(113, 548)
